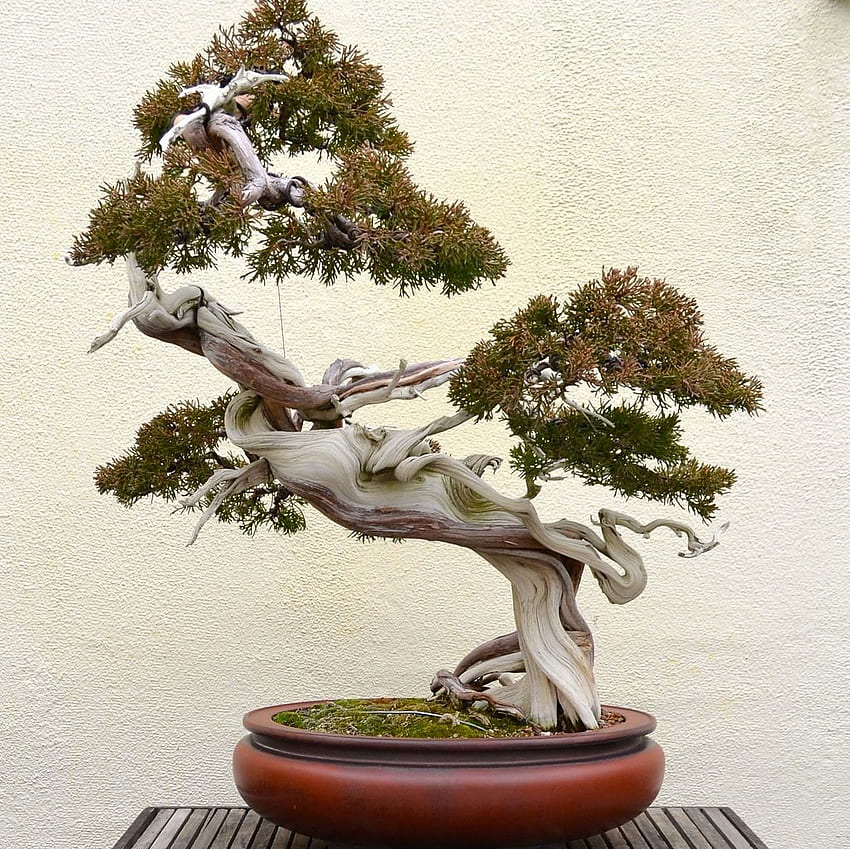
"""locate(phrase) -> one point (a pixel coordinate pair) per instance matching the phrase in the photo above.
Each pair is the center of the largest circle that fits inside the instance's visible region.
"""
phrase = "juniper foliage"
(177, 451)
(367, 217)
(636, 345)
(402, 236)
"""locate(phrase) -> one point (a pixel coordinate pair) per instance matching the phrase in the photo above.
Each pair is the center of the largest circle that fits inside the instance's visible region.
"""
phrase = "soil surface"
(420, 718)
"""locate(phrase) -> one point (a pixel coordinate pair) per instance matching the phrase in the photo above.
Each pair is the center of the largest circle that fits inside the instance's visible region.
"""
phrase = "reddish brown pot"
(438, 794)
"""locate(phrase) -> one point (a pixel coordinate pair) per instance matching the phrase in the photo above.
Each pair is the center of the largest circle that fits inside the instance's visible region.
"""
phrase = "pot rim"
(259, 721)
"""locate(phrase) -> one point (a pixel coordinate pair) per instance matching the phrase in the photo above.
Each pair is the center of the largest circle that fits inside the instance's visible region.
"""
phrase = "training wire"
(280, 313)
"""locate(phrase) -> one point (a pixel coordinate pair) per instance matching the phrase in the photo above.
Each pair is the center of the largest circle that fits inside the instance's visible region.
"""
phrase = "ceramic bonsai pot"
(425, 794)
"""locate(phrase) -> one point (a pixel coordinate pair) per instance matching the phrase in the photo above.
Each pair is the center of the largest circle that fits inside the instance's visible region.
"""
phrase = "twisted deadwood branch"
(392, 483)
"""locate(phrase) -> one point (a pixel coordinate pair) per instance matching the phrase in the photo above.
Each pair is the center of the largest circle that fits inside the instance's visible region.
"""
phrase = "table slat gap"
(243, 839)
(150, 834)
(282, 838)
(714, 836)
(726, 828)
(170, 829)
(597, 841)
(229, 827)
(633, 836)
(300, 841)
(137, 827)
(616, 840)
(263, 835)
(210, 829)
(686, 825)
(661, 818)
(191, 828)
(755, 841)
(650, 832)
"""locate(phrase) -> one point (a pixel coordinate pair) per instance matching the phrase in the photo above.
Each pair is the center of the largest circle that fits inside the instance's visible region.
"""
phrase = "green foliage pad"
(628, 350)
(177, 451)
(331, 105)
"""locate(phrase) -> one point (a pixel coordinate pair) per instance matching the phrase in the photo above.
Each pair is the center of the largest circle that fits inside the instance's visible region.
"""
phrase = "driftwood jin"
(591, 385)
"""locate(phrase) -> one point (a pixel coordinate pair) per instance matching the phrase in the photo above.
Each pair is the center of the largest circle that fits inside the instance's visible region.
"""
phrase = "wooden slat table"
(241, 828)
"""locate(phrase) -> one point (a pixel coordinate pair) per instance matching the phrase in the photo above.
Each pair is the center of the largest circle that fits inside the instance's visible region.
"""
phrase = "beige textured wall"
(707, 142)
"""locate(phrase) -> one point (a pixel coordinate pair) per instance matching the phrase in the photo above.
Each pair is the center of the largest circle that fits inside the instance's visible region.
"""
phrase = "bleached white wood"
(216, 97)
(389, 482)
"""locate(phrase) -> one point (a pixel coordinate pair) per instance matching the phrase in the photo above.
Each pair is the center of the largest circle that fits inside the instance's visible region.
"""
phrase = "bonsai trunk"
(393, 483)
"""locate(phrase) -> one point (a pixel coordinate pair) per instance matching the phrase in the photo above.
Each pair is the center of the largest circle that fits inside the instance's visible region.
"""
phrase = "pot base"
(442, 794)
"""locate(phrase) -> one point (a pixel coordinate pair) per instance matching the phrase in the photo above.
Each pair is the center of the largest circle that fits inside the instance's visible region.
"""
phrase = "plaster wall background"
(706, 142)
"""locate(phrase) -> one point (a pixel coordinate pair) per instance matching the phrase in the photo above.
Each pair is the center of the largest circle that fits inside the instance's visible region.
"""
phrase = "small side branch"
(228, 482)
(193, 319)
(628, 579)
(406, 383)
(134, 310)
(268, 190)
(612, 519)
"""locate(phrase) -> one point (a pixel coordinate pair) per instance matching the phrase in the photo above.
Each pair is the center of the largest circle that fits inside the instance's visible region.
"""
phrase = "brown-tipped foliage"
(369, 217)
(162, 219)
(393, 231)
(177, 451)
(638, 345)
(634, 344)
(333, 102)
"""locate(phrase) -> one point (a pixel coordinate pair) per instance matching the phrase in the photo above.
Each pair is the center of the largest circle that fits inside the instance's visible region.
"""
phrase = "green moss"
(395, 718)
(404, 718)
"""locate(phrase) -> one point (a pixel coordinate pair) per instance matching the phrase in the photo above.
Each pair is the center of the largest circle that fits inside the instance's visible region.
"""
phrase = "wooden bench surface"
(241, 828)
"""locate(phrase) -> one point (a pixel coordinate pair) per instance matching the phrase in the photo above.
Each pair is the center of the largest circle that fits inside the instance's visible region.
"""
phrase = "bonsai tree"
(591, 386)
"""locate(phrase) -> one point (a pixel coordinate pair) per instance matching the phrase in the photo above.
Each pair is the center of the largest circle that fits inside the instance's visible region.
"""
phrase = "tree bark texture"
(393, 483)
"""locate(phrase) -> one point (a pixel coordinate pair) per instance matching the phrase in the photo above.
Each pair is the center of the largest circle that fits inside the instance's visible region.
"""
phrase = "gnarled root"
(458, 693)
(552, 646)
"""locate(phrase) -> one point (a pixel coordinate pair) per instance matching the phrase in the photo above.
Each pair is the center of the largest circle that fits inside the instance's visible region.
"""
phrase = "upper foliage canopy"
(368, 216)
(633, 347)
